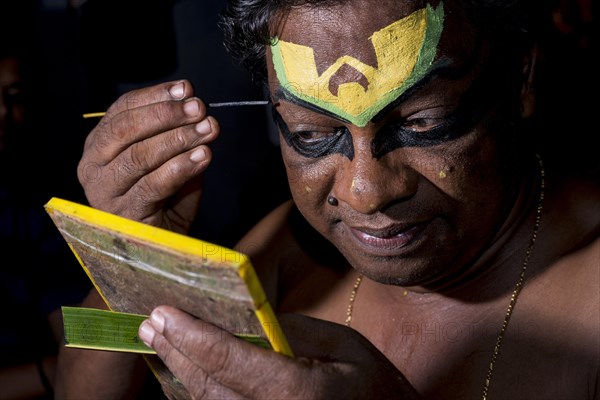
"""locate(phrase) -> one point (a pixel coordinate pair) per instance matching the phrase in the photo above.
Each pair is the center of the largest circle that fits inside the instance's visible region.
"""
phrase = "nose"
(368, 184)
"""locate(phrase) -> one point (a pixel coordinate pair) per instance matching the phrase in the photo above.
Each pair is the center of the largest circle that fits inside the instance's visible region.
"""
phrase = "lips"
(389, 240)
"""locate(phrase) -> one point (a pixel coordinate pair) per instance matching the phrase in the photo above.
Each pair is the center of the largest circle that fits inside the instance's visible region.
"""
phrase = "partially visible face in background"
(12, 108)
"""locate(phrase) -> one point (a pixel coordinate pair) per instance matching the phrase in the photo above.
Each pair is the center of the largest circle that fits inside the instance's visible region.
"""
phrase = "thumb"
(315, 338)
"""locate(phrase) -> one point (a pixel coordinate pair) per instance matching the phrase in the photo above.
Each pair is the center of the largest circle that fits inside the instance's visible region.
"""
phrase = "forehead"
(356, 42)
(348, 25)
(353, 20)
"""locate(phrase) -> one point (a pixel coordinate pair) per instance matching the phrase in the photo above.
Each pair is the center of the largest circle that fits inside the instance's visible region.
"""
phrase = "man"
(426, 253)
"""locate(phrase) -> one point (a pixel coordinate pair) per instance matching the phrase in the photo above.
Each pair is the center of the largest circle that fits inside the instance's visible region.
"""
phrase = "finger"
(146, 196)
(171, 159)
(240, 366)
(182, 208)
(145, 156)
(115, 133)
(319, 339)
(197, 383)
(174, 90)
(159, 185)
(349, 353)
(168, 91)
(151, 153)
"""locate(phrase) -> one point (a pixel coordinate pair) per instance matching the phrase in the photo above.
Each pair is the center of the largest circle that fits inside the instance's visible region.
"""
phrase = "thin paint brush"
(210, 105)
(240, 103)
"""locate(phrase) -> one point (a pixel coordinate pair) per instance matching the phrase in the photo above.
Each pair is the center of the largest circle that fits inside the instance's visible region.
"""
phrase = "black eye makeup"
(425, 128)
(421, 130)
(316, 144)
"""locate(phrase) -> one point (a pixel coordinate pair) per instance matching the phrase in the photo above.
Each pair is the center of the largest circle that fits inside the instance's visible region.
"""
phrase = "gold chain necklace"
(352, 297)
(514, 296)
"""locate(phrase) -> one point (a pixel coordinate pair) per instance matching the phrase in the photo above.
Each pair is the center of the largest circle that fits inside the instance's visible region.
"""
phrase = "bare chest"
(447, 355)
(445, 348)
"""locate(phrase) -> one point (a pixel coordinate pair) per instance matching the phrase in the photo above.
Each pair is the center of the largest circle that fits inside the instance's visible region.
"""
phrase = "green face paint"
(405, 51)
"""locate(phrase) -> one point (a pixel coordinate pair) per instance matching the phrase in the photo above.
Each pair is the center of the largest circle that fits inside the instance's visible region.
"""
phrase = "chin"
(404, 272)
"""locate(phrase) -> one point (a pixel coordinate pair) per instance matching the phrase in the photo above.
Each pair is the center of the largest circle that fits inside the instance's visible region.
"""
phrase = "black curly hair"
(248, 25)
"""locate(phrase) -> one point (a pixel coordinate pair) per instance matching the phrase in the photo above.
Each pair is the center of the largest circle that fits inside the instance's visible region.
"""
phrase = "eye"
(421, 125)
(426, 128)
(312, 136)
(318, 142)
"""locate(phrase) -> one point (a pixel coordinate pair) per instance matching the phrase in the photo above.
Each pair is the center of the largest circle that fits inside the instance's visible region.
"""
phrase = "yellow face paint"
(405, 51)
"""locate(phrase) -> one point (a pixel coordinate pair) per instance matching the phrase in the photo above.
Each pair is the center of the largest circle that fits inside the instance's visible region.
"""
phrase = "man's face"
(416, 175)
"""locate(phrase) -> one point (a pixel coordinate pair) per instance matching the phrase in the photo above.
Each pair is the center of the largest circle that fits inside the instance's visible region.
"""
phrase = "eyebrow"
(474, 103)
(443, 68)
(283, 94)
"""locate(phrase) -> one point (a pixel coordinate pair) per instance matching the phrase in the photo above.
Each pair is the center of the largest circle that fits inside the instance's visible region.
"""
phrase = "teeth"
(390, 234)
(384, 235)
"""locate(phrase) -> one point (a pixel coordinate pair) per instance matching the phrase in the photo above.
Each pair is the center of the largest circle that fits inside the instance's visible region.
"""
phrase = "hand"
(331, 361)
(145, 158)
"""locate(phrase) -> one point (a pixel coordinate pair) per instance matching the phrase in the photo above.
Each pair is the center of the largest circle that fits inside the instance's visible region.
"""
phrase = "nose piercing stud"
(332, 201)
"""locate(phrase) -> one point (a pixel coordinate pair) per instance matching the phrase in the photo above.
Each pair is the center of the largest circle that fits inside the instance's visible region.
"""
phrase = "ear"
(528, 99)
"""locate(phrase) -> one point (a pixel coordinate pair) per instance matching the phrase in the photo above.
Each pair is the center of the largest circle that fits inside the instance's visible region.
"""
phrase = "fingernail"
(158, 321)
(203, 127)
(177, 91)
(146, 333)
(198, 155)
(191, 107)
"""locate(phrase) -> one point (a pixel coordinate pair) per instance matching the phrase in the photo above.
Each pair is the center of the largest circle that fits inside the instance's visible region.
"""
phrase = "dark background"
(81, 55)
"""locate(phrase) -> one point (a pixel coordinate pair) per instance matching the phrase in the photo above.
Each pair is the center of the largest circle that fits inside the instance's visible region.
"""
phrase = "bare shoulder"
(266, 243)
(573, 306)
(571, 217)
(578, 273)
(297, 266)
(261, 237)
(566, 294)
(578, 199)
(570, 238)
(561, 300)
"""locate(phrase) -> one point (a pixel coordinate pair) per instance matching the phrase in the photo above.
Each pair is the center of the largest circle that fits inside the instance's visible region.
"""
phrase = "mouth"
(390, 240)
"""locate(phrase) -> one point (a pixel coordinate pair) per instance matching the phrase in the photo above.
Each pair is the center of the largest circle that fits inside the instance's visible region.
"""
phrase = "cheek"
(439, 169)
(470, 175)
(310, 180)
(466, 172)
